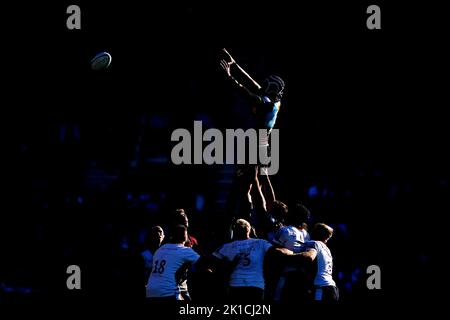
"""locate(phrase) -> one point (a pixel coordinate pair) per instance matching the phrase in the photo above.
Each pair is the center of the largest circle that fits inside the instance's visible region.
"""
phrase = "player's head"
(279, 211)
(298, 215)
(321, 232)
(156, 236)
(179, 216)
(241, 229)
(273, 87)
(179, 234)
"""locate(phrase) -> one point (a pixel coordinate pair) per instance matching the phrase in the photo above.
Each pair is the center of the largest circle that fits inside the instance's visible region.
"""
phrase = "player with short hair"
(247, 277)
(180, 217)
(293, 283)
(152, 243)
(325, 289)
(168, 260)
(294, 234)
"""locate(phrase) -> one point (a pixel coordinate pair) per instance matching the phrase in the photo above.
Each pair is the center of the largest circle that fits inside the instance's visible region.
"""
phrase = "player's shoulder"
(227, 245)
(233, 243)
(186, 252)
(184, 248)
(254, 240)
(291, 231)
(146, 254)
(164, 246)
(311, 244)
(265, 100)
(281, 234)
(172, 247)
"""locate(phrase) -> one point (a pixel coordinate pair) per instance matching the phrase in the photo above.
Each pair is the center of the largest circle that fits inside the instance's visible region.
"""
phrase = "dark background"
(362, 128)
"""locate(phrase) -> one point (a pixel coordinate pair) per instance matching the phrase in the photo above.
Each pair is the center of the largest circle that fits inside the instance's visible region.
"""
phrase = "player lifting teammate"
(169, 259)
(247, 283)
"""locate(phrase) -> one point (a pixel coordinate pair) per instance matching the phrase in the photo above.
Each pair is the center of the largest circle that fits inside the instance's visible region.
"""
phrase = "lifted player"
(265, 102)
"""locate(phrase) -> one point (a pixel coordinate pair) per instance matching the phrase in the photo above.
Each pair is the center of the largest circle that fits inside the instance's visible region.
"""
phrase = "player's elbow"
(307, 257)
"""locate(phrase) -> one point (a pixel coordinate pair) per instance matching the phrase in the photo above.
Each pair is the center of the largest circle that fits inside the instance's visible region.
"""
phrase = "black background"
(357, 100)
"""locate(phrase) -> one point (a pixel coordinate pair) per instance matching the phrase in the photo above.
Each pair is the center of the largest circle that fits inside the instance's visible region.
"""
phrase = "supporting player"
(168, 260)
(293, 282)
(325, 290)
(247, 255)
(176, 218)
(152, 243)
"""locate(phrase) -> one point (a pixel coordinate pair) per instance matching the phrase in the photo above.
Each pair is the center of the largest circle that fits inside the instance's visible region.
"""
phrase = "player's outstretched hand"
(228, 57)
(226, 66)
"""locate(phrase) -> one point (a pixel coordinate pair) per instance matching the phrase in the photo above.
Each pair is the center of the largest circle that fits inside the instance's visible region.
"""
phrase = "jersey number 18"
(159, 266)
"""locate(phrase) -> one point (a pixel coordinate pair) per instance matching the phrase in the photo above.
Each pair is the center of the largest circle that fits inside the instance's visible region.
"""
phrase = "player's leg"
(326, 294)
(239, 200)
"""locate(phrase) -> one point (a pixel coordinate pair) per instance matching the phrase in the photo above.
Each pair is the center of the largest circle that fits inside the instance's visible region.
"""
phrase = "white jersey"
(249, 270)
(291, 238)
(166, 262)
(324, 264)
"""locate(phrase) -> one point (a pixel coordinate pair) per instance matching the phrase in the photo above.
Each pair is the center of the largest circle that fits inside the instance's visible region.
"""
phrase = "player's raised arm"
(309, 254)
(247, 93)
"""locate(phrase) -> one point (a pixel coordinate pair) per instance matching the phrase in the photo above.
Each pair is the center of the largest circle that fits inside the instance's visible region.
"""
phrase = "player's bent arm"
(276, 252)
(221, 265)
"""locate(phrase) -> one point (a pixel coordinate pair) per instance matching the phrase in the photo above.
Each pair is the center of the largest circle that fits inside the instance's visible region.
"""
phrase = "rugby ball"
(101, 61)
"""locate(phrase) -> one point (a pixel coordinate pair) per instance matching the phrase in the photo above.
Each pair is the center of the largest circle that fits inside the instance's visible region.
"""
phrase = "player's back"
(250, 254)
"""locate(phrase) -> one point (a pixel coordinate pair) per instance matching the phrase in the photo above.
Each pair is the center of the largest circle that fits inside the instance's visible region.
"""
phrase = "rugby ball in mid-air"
(101, 61)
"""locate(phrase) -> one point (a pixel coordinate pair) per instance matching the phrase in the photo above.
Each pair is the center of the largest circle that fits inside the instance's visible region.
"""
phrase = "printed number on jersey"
(159, 266)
